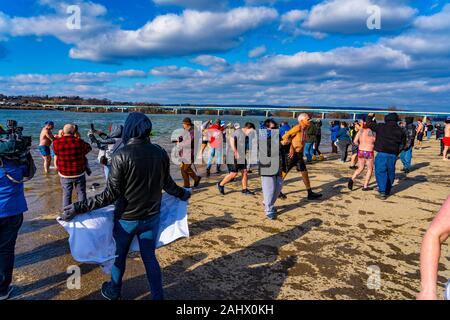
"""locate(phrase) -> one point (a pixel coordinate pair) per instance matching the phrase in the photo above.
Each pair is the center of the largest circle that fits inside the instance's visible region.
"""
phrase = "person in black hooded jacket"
(391, 140)
(407, 152)
(140, 170)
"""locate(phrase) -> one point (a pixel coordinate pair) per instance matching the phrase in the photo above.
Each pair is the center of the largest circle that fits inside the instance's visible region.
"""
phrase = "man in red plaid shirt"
(72, 163)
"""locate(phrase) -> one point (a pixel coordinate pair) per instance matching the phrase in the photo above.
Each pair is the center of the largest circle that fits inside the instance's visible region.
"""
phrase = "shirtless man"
(45, 141)
(446, 139)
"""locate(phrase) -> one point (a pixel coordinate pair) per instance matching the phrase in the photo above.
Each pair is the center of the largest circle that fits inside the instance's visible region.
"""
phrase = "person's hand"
(69, 213)
(186, 195)
(291, 153)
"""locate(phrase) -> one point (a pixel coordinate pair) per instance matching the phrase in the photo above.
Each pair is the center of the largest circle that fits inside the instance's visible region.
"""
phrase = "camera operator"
(16, 164)
(107, 144)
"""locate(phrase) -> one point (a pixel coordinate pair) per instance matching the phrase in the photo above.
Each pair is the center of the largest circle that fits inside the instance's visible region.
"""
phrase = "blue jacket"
(343, 135)
(334, 132)
(12, 195)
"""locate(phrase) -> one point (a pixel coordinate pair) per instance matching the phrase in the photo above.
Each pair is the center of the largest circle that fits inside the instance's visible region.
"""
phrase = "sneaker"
(382, 196)
(247, 192)
(314, 196)
(221, 188)
(197, 182)
(208, 172)
(314, 158)
(272, 216)
(282, 196)
(406, 171)
(321, 157)
(350, 184)
(107, 292)
(366, 189)
(7, 294)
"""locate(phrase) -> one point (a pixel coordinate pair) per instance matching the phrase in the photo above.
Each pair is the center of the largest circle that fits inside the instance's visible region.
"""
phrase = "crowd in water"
(137, 171)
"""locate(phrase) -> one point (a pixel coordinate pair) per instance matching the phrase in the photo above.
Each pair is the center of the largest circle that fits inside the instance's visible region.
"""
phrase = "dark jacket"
(391, 138)
(139, 172)
(311, 133)
(410, 131)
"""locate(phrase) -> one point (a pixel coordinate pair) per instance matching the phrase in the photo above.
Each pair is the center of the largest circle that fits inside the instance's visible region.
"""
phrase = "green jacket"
(311, 133)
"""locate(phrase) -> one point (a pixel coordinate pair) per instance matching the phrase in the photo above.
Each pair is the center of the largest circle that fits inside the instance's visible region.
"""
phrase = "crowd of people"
(137, 171)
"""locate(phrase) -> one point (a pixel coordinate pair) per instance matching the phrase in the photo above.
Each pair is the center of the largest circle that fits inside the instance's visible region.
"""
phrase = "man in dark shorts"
(296, 138)
(239, 145)
(420, 133)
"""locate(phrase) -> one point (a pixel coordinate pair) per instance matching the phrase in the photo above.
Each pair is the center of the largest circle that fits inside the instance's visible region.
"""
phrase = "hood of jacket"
(391, 117)
(137, 125)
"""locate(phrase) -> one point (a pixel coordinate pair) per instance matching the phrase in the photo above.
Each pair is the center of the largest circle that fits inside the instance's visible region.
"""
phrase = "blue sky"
(282, 52)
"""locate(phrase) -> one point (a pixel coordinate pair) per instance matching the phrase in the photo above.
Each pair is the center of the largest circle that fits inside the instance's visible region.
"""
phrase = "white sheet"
(91, 234)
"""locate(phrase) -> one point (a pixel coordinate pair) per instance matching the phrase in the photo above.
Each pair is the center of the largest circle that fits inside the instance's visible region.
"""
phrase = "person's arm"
(291, 133)
(438, 232)
(114, 188)
(357, 137)
(49, 135)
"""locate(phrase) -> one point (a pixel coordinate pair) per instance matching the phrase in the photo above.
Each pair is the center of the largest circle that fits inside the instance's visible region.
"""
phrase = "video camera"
(13, 144)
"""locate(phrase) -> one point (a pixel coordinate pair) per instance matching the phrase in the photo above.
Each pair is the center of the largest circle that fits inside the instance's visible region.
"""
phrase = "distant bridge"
(220, 109)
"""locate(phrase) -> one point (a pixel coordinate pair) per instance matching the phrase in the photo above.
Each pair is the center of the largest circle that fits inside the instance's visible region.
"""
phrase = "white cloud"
(350, 16)
(176, 72)
(257, 52)
(436, 22)
(208, 60)
(176, 35)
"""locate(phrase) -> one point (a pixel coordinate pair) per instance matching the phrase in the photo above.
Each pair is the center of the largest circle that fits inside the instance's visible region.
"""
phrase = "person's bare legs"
(228, 178)
(306, 181)
(361, 165)
(354, 160)
(370, 167)
(438, 232)
(446, 153)
(54, 163)
(244, 179)
(47, 161)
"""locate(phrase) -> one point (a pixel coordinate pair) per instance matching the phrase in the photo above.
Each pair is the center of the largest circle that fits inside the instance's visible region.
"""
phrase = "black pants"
(9, 228)
(317, 145)
(442, 146)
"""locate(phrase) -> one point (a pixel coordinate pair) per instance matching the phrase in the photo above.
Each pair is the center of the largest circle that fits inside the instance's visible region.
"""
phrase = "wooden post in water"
(293, 115)
(354, 117)
(196, 112)
(267, 113)
(242, 113)
(218, 112)
(323, 115)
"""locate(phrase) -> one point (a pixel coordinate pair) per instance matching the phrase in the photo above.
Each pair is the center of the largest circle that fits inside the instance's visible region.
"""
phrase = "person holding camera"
(12, 207)
(107, 144)
(72, 163)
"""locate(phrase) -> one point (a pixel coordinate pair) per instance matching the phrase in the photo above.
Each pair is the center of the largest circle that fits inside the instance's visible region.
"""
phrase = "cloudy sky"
(281, 52)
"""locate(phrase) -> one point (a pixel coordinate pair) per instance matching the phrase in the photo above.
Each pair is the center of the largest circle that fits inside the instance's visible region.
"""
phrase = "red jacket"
(71, 155)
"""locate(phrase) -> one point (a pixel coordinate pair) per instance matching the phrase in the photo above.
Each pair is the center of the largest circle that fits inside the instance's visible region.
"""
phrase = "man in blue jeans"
(12, 207)
(139, 172)
(390, 141)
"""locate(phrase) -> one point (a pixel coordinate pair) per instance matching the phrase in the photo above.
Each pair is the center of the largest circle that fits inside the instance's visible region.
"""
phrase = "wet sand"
(315, 250)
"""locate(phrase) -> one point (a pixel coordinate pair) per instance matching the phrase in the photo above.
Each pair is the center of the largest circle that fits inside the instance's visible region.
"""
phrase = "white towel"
(91, 234)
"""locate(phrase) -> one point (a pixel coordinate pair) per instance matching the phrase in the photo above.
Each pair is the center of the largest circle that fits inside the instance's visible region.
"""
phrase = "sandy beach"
(315, 250)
